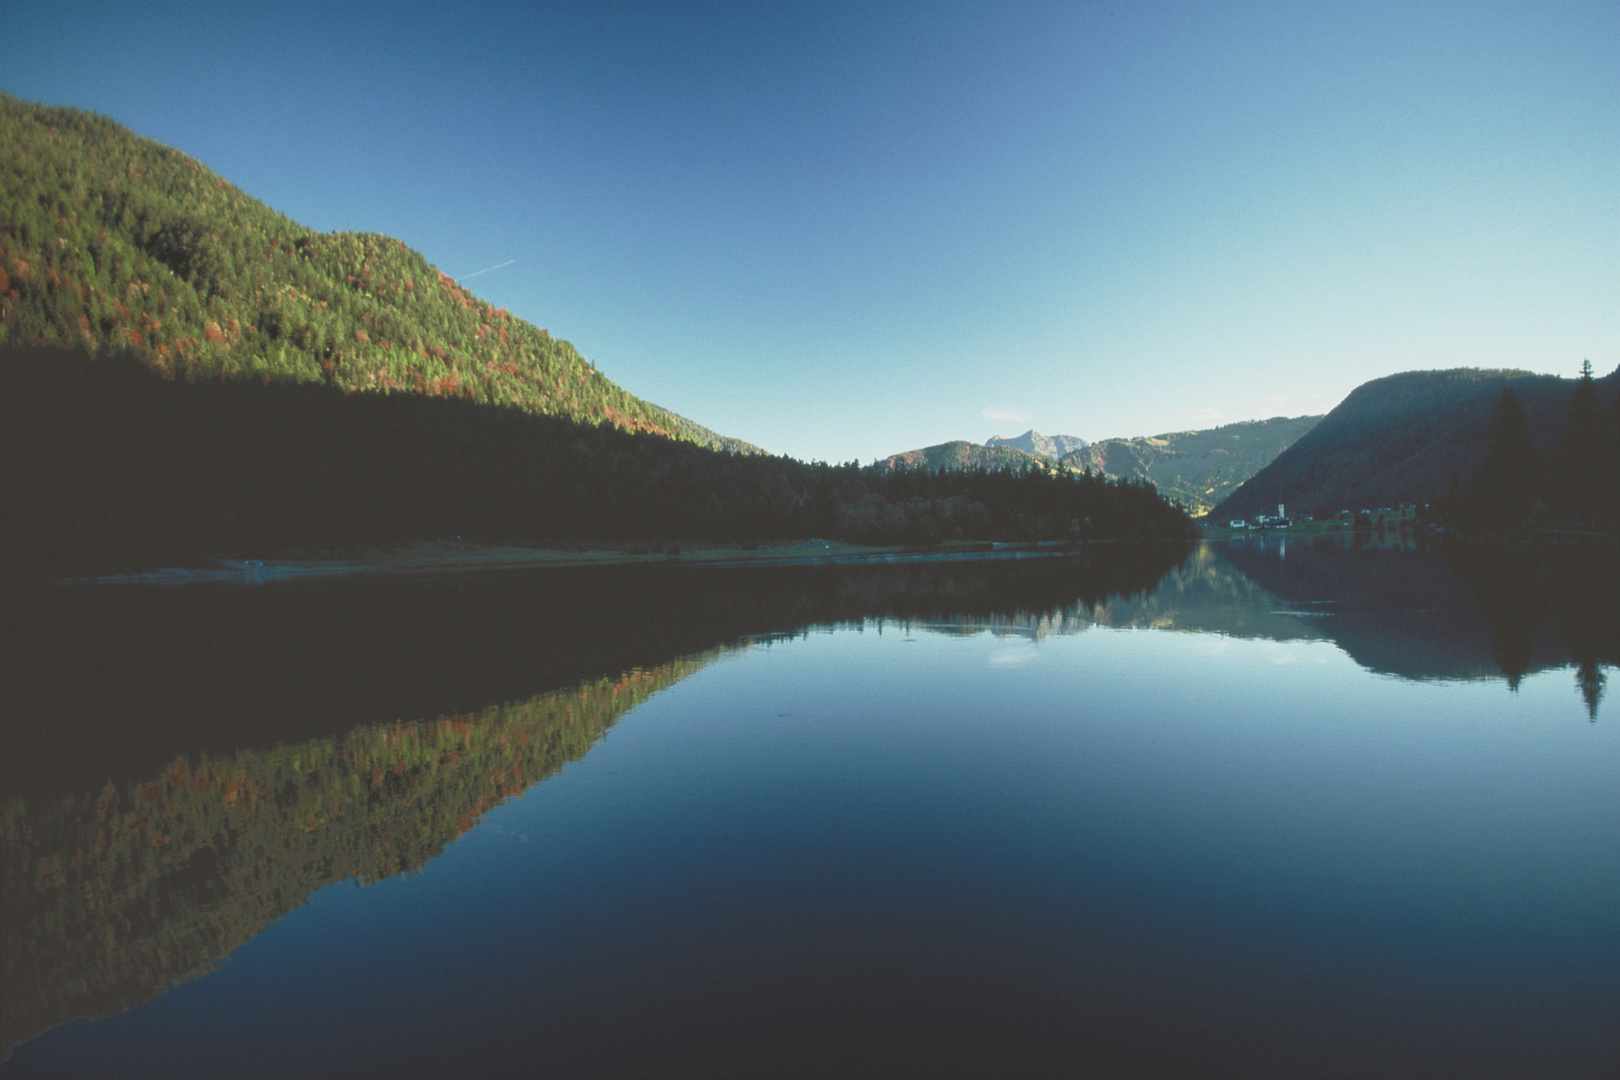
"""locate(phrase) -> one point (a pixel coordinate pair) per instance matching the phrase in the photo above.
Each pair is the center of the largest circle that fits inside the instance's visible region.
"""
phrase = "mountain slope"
(111, 240)
(1195, 468)
(1402, 438)
(960, 456)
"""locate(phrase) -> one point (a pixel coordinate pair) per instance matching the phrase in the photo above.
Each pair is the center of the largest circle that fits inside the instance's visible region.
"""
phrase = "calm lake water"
(1273, 808)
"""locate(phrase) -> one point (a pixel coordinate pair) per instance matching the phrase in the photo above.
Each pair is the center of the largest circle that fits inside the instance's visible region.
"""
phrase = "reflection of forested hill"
(100, 683)
(185, 765)
(1394, 611)
(111, 896)
(1465, 613)
(113, 888)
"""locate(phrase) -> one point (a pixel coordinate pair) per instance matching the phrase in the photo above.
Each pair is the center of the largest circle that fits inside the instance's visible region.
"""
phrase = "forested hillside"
(110, 240)
(1404, 438)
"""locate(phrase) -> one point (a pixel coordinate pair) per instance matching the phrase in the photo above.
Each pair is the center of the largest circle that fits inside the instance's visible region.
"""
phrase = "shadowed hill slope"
(111, 240)
(1402, 438)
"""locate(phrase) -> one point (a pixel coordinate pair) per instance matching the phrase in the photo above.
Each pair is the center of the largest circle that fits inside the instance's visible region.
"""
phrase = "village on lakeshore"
(1403, 515)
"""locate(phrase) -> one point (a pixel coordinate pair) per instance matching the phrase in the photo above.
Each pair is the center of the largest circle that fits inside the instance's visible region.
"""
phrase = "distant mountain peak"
(1033, 442)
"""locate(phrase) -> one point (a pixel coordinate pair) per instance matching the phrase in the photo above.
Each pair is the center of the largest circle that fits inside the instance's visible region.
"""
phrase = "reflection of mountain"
(112, 896)
(1207, 595)
(1204, 595)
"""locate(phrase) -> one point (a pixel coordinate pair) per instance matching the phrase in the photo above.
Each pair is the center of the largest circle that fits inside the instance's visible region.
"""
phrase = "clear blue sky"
(841, 231)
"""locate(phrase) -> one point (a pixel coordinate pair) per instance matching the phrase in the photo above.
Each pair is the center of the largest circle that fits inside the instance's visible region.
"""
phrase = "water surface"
(1279, 809)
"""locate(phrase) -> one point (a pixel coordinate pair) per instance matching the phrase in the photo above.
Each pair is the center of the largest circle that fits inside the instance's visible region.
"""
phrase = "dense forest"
(113, 241)
(106, 465)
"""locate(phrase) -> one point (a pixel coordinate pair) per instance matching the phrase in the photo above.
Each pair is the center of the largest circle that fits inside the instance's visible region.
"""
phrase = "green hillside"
(1403, 438)
(111, 240)
(961, 456)
(1195, 468)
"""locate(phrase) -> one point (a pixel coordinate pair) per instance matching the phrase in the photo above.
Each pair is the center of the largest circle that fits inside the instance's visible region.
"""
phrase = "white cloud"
(1005, 414)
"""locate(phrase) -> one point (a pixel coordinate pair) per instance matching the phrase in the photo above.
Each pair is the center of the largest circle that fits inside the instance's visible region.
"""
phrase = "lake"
(1276, 807)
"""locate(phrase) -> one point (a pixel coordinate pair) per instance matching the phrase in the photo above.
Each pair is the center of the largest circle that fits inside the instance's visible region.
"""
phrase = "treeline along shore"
(108, 465)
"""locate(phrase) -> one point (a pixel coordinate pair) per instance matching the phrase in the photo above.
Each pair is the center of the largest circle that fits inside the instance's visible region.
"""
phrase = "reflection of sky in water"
(1130, 848)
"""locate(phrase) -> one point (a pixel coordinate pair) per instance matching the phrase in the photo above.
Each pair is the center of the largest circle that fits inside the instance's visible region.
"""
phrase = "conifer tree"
(1581, 457)
(1503, 492)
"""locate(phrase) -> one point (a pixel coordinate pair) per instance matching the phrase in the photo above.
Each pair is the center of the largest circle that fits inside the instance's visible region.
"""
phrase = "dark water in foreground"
(1279, 809)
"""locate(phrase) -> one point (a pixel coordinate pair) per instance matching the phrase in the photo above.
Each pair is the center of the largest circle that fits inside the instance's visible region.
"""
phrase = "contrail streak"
(487, 269)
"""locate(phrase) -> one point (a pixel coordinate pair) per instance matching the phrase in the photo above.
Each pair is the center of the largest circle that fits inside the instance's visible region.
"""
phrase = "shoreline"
(441, 557)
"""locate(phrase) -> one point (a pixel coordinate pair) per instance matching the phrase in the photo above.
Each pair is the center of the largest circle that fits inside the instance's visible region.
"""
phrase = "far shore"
(458, 557)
